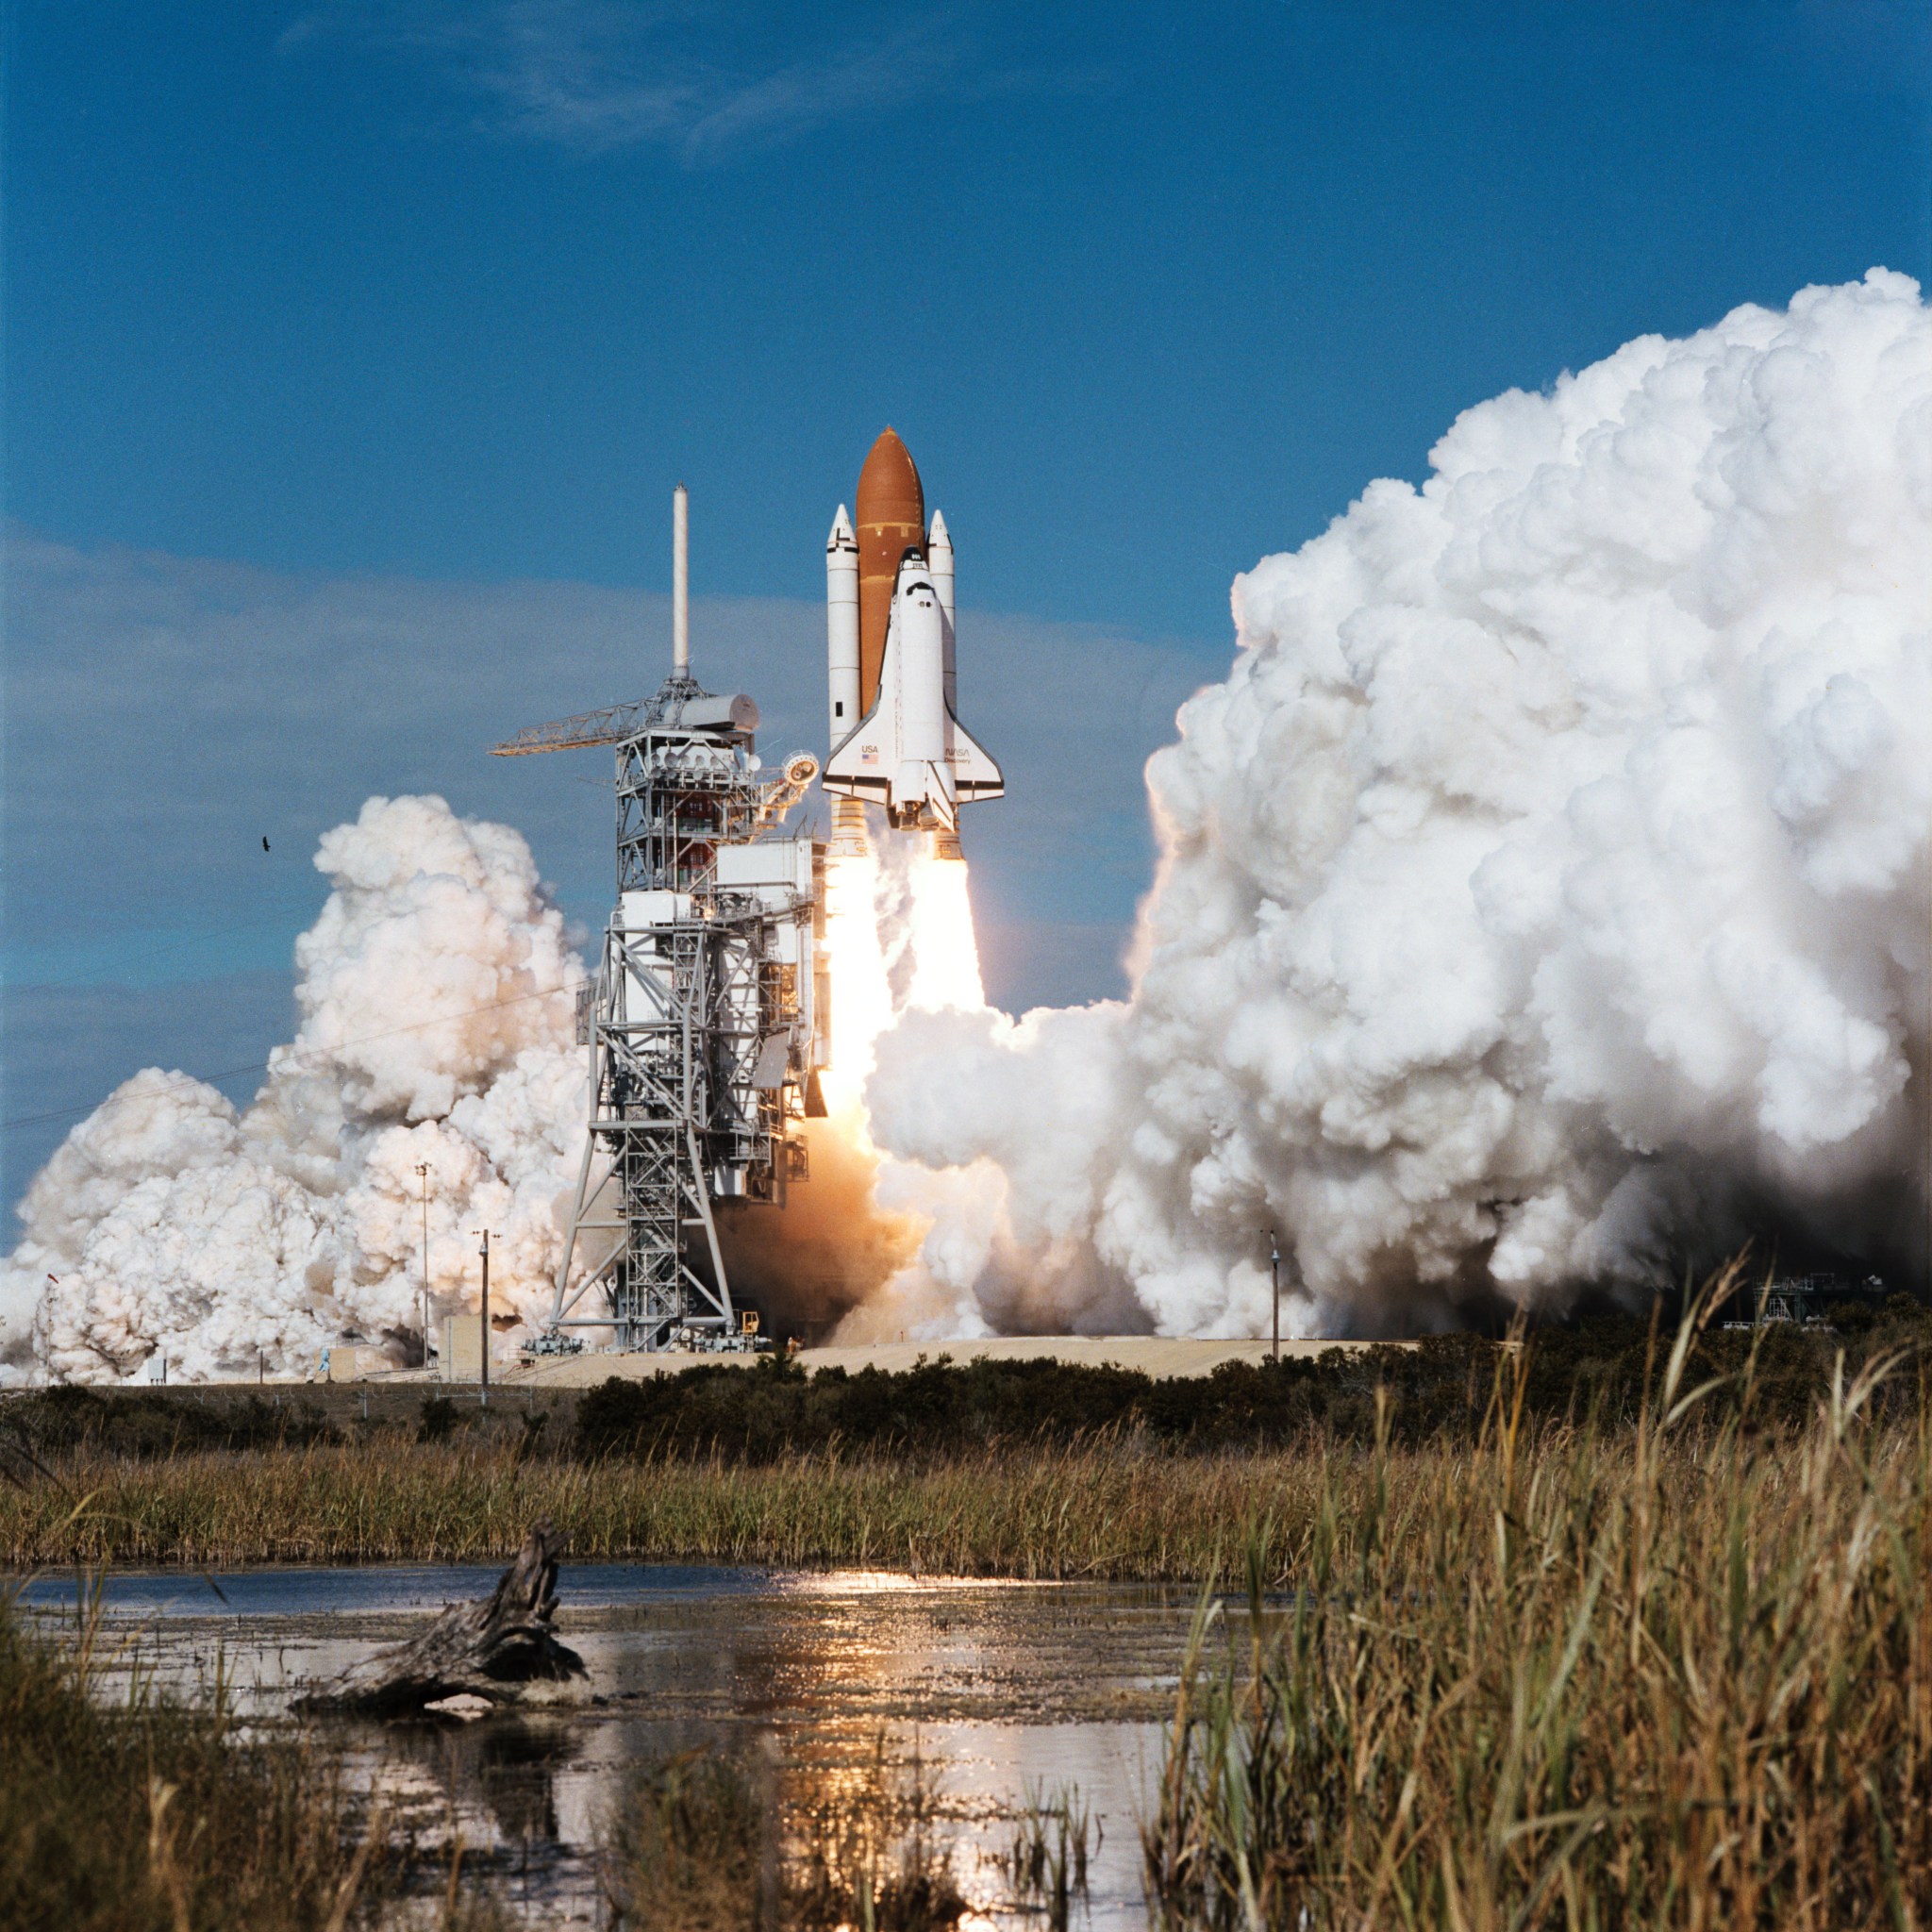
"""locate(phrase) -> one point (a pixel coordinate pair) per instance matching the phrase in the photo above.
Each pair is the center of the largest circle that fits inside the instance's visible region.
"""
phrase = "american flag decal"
(868, 754)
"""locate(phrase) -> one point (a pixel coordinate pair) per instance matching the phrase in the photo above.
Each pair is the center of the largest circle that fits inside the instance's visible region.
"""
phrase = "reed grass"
(1106, 1508)
(1101, 1508)
(137, 1811)
(1682, 1680)
(704, 1842)
(1045, 1866)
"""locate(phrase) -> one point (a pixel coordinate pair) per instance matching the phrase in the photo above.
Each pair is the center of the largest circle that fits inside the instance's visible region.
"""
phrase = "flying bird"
(264, 842)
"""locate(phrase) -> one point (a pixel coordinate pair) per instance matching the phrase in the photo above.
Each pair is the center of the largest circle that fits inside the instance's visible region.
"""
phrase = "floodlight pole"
(1275, 1284)
(423, 1176)
(483, 1399)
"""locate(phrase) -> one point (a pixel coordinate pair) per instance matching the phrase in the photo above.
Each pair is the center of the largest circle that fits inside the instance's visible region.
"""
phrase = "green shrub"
(1592, 1369)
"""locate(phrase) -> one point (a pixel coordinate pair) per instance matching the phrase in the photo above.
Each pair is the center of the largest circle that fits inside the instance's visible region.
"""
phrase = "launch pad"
(707, 1019)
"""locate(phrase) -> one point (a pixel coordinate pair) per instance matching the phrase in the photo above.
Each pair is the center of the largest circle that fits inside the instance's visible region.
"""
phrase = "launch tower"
(704, 1019)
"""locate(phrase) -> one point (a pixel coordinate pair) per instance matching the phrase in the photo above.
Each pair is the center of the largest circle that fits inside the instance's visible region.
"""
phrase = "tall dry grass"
(1683, 1679)
(1103, 1509)
(1106, 1508)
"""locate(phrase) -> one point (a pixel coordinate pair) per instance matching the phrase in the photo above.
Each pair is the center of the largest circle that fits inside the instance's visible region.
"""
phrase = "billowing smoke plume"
(1543, 902)
(1543, 897)
(434, 995)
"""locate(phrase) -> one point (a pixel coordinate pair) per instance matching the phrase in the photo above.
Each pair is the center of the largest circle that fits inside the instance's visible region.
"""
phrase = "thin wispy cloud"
(597, 76)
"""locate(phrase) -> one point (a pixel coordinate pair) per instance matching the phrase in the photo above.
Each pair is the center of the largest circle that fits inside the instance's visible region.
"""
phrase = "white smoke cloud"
(1542, 893)
(1543, 897)
(436, 999)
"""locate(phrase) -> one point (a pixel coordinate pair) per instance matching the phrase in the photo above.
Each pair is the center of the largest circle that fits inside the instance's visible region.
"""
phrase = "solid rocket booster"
(843, 679)
(842, 626)
(939, 561)
(908, 752)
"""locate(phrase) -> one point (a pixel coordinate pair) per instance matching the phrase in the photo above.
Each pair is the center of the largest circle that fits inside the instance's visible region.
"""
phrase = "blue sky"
(351, 351)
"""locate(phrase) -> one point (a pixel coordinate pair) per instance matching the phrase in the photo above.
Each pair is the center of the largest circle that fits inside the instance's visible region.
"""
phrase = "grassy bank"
(138, 1812)
(1106, 1509)
(1030, 1469)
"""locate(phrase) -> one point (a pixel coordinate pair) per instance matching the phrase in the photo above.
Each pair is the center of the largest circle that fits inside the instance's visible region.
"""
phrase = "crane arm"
(612, 726)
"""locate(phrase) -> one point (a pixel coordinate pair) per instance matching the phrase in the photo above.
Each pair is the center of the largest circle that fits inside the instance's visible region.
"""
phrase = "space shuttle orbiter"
(890, 656)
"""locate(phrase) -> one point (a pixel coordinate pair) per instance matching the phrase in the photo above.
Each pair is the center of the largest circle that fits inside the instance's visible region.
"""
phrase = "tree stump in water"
(493, 1648)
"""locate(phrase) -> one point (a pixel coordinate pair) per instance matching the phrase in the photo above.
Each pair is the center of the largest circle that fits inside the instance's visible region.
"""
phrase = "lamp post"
(483, 1399)
(423, 1176)
(1274, 1283)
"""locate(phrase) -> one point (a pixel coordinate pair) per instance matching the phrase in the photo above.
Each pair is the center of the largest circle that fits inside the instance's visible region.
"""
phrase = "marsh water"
(999, 1691)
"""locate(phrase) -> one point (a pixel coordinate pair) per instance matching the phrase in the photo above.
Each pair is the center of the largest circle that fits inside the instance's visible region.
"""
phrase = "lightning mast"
(705, 1018)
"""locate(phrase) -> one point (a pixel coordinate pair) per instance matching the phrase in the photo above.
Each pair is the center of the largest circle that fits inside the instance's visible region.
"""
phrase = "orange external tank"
(891, 519)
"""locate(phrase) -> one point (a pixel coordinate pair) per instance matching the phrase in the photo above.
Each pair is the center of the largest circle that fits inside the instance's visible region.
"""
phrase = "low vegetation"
(708, 1842)
(1105, 1507)
(1591, 1368)
(1018, 1468)
(134, 1812)
(1436, 1390)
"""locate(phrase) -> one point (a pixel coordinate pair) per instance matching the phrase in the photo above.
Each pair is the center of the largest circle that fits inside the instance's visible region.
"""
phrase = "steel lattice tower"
(703, 1018)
